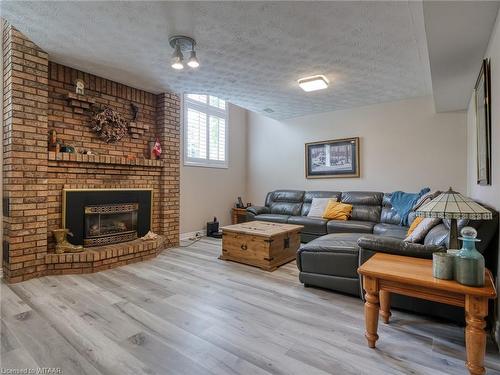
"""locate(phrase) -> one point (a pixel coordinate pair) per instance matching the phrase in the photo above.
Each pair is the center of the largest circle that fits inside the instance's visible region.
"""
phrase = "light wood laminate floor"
(186, 312)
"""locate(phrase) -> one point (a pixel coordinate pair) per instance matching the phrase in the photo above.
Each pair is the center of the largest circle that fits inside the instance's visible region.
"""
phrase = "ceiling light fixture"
(193, 61)
(182, 43)
(313, 83)
(177, 58)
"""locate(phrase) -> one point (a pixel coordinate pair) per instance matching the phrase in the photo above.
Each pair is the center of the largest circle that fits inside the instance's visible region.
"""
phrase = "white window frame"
(209, 110)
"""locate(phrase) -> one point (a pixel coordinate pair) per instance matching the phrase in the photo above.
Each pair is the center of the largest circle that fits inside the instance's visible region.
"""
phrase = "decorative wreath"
(109, 125)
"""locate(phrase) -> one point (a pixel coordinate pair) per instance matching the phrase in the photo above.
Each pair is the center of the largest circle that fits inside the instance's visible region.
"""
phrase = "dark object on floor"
(213, 229)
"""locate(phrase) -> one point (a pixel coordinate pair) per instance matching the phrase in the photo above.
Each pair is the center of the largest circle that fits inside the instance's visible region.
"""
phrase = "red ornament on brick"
(157, 149)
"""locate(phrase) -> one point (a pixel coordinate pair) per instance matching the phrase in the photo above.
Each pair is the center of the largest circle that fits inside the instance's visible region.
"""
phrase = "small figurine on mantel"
(135, 111)
(54, 143)
(80, 87)
(155, 149)
(84, 151)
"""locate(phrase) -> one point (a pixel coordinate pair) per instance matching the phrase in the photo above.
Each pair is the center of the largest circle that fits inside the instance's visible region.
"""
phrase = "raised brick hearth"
(103, 257)
(39, 96)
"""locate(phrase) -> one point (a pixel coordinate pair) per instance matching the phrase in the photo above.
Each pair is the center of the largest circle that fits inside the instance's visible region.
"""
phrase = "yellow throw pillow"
(337, 211)
(414, 224)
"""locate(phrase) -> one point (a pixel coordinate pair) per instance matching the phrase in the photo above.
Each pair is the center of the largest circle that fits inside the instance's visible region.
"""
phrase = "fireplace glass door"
(110, 223)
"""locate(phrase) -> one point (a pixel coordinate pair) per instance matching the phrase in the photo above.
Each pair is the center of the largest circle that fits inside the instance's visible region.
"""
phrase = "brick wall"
(35, 101)
(24, 156)
(168, 122)
(71, 123)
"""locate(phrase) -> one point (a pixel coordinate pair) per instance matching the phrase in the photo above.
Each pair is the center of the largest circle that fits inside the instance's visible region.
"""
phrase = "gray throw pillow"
(426, 198)
(422, 229)
(318, 206)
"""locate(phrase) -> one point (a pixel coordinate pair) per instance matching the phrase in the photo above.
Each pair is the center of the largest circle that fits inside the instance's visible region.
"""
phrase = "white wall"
(487, 194)
(1, 132)
(209, 192)
(404, 146)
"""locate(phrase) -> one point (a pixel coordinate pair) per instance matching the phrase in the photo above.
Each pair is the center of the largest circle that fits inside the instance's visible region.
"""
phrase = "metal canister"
(442, 265)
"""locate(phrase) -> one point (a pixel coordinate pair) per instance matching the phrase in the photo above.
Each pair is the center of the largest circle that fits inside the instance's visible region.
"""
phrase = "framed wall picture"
(332, 159)
(482, 95)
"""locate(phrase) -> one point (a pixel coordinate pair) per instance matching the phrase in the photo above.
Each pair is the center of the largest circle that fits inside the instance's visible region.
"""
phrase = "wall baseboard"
(188, 235)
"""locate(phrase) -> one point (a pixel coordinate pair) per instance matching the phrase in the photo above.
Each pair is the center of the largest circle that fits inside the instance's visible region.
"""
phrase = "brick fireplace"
(39, 95)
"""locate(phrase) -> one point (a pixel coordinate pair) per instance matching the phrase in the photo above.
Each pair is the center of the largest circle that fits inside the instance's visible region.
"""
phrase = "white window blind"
(205, 131)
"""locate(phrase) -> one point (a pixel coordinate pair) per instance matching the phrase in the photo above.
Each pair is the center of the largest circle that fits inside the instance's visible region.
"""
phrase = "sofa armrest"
(257, 210)
(391, 245)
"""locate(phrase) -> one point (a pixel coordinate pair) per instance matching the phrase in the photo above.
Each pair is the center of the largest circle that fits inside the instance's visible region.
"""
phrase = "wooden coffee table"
(260, 243)
(384, 274)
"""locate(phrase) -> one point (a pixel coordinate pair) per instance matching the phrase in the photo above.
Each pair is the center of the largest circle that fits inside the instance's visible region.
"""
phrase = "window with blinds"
(205, 131)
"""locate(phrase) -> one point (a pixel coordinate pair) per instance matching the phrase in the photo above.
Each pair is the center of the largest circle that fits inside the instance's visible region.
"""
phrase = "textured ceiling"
(251, 53)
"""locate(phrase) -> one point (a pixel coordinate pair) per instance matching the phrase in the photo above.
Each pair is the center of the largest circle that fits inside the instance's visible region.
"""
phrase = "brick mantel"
(39, 96)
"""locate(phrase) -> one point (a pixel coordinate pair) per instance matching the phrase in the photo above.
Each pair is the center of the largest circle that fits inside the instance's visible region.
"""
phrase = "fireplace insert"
(99, 217)
(110, 223)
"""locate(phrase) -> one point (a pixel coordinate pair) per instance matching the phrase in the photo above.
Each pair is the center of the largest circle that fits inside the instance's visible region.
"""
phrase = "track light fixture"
(193, 61)
(182, 43)
(177, 58)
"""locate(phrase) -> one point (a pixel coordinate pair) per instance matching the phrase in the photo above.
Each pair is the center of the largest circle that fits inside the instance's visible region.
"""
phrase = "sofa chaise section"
(331, 262)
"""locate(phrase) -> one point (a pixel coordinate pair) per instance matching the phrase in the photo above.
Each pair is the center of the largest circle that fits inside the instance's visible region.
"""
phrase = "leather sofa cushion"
(334, 242)
(273, 217)
(389, 215)
(286, 208)
(311, 225)
(285, 202)
(291, 196)
(309, 195)
(362, 198)
(366, 204)
(269, 198)
(350, 226)
(332, 254)
(366, 213)
(390, 230)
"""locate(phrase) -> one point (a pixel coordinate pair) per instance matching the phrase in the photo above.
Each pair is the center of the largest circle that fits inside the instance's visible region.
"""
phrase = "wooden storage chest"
(261, 244)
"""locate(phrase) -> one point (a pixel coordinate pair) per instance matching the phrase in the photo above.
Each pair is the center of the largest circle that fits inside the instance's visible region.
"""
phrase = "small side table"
(385, 273)
(238, 215)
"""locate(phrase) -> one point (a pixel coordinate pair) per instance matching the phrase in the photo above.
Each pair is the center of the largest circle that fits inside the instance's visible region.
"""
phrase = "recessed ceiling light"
(313, 83)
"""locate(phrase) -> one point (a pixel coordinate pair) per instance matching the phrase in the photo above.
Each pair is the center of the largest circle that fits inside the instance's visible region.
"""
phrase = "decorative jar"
(469, 263)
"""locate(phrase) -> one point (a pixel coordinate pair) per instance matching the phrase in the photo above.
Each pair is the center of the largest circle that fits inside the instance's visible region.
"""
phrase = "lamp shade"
(453, 205)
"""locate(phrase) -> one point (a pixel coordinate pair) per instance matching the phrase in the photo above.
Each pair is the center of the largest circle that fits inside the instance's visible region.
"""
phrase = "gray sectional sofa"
(333, 249)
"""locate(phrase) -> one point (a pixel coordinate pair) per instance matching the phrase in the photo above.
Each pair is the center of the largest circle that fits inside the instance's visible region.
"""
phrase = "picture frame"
(337, 158)
(482, 100)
